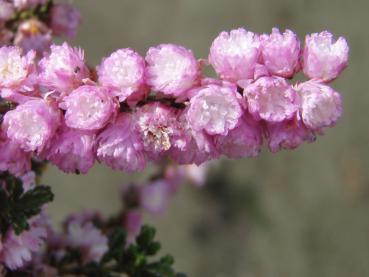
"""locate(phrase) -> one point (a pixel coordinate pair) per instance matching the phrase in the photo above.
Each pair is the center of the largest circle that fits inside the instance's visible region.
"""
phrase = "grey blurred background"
(296, 213)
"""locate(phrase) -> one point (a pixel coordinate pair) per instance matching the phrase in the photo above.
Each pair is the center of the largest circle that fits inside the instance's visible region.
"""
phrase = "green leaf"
(32, 201)
(117, 243)
(145, 237)
(17, 207)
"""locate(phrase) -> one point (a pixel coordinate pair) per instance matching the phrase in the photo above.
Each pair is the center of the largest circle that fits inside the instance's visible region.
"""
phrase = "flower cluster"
(88, 245)
(133, 110)
(31, 24)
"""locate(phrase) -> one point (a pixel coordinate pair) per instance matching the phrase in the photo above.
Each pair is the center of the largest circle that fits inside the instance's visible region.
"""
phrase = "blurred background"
(297, 213)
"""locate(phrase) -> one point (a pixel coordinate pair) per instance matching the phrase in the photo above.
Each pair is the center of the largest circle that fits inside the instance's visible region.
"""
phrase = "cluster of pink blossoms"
(80, 231)
(133, 110)
(31, 24)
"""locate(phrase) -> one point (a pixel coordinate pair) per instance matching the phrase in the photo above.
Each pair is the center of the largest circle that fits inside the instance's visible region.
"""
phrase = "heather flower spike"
(132, 110)
(187, 117)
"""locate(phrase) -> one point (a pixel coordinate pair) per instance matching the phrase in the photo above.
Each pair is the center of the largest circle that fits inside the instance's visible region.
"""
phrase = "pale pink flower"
(214, 109)
(6, 11)
(281, 53)
(157, 125)
(28, 181)
(88, 239)
(72, 150)
(18, 250)
(171, 69)
(12, 157)
(196, 174)
(234, 55)
(288, 134)
(324, 58)
(32, 124)
(63, 69)
(27, 4)
(123, 72)
(191, 146)
(321, 106)
(88, 107)
(243, 141)
(34, 35)
(154, 196)
(14, 67)
(65, 20)
(271, 99)
(120, 146)
(84, 217)
(192, 173)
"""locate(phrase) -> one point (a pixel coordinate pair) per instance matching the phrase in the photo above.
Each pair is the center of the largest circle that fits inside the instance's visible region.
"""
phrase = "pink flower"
(321, 106)
(120, 146)
(88, 108)
(288, 134)
(12, 157)
(243, 141)
(123, 71)
(214, 109)
(154, 196)
(196, 174)
(132, 224)
(27, 4)
(6, 11)
(86, 238)
(157, 125)
(18, 250)
(65, 20)
(191, 146)
(14, 68)
(271, 99)
(34, 35)
(32, 124)
(84, 217)
(72, 150)
(281, 53)
(63, 69)
(28, 181)
(192, 173)
(171, 69)
(234, 55)
(324, 59)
